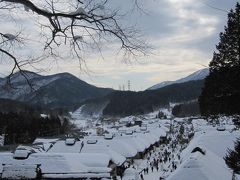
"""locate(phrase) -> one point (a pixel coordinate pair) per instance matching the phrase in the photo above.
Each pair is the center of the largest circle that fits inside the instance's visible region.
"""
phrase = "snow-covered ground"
(173, 159)
(81, 120)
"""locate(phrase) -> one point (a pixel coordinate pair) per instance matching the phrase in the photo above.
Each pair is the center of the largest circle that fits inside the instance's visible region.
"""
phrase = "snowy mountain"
(21, 77)
(59, 90)
(198, 75)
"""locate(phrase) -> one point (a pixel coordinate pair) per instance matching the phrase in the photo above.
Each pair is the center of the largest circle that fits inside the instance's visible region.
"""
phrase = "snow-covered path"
(163, 160)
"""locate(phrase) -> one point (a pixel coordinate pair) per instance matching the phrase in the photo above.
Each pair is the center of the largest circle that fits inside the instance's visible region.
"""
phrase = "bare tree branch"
(88, 22)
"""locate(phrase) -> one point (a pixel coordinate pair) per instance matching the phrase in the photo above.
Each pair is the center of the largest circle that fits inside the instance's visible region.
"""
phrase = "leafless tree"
(76, 24)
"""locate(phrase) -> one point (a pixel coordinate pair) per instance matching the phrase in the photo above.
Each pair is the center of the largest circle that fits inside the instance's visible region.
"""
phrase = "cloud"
(183, 34)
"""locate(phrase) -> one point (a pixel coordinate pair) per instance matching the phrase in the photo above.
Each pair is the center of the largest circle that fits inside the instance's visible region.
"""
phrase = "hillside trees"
(221, 94)
(186, 109)
(62, 29)
(24, 127)
(125, 103)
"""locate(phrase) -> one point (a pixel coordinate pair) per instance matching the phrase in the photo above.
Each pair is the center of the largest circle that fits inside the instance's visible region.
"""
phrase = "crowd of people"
(164, 158)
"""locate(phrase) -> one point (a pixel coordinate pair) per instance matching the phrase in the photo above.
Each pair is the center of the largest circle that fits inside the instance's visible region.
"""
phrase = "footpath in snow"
(160, 162)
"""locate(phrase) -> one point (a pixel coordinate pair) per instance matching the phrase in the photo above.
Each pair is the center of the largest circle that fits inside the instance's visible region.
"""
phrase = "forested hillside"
(128, 103)
(24, 127)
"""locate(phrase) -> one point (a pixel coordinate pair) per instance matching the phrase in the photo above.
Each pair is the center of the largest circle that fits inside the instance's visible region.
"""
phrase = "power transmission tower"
(129, 85)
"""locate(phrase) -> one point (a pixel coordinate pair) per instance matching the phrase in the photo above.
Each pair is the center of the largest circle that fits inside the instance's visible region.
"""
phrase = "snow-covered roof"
(130, 174)
(134, 142)
(94, 159)
(53, 163)
(70, 141)
(75, 175)
(45, 140)
(160, 132)
(126, 119)
(117, 158)
(19, 172)
(211, 165)
(62, 147)
(108, 136)
(120, 147)
(44, 115)
(50, 163)
(202, 167)
(21, 154)
(215, 141)
(147, 139)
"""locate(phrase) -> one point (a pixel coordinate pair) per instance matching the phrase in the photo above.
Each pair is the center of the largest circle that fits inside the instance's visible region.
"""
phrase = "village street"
(163, 160)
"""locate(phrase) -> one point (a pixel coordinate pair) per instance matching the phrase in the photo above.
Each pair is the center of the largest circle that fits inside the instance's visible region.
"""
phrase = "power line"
(216, 8)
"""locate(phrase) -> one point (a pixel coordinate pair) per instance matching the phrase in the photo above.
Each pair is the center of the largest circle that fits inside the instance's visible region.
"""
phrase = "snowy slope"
(58, 90)
(88, 113)
(20, 77)
(198, 75)
(21, 88)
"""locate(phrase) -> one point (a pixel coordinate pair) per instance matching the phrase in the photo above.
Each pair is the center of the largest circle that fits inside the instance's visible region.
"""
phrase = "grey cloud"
(174, 38)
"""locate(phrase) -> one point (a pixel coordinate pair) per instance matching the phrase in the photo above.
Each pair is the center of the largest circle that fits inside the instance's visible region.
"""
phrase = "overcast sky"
(183, 34)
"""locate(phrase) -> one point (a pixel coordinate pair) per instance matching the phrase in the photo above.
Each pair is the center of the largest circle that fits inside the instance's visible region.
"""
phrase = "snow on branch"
(67, 26)
(10, 37)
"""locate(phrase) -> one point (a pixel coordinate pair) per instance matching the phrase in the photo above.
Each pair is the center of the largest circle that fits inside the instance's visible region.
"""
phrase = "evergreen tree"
(221, 94)
(232, 158)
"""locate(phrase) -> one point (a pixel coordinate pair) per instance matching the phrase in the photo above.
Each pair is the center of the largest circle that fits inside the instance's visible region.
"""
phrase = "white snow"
(91, 156)
(117, 158)
(19, 171)
(202, 167)
(78, 38)
(211, 165)
(120, 147)
(45, 140)
(130, 174)
(79, 11)
(62, 147)
(2, 139)
(54, 163)
(198, 75)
